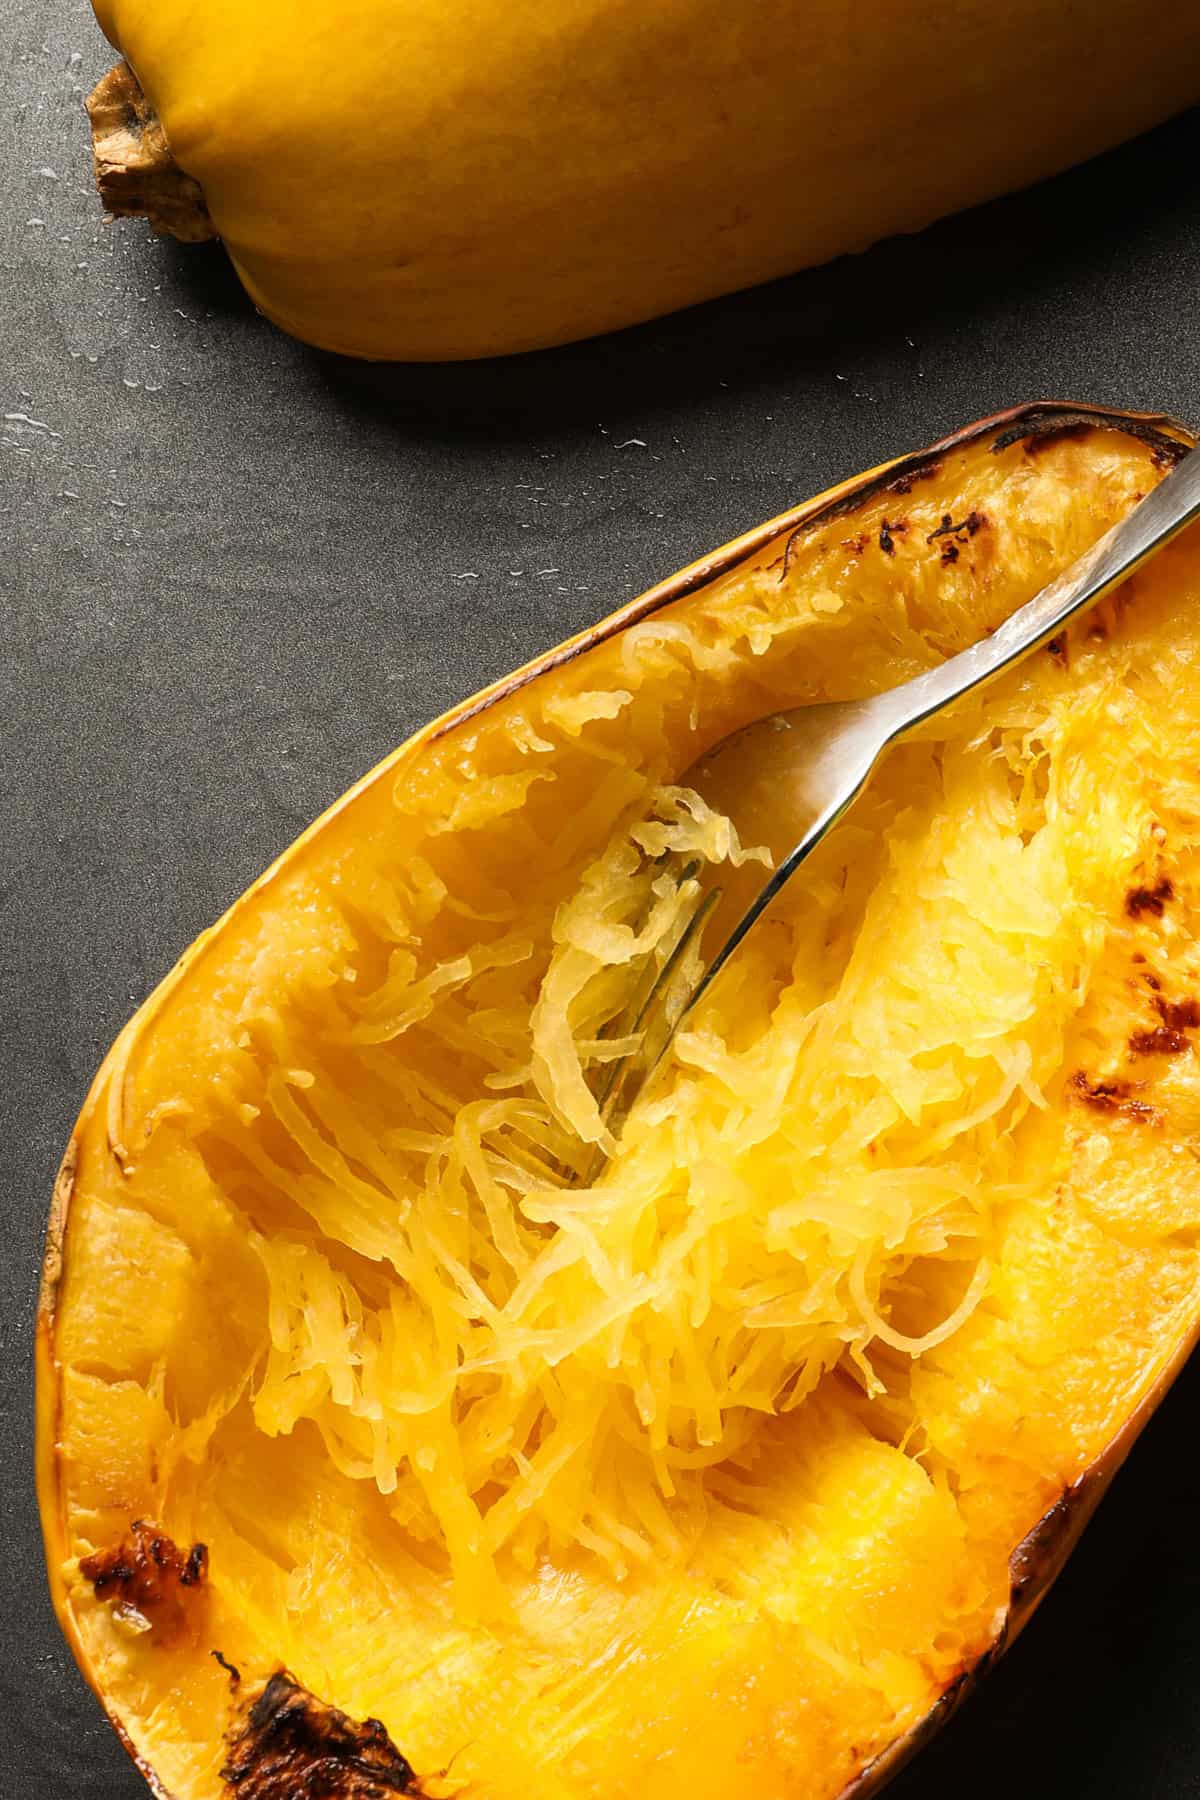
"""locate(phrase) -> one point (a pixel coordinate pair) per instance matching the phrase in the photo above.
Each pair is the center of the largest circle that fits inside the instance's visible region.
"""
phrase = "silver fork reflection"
(812, 763)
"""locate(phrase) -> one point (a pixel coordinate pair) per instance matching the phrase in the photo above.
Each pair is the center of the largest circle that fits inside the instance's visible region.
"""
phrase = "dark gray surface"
(236, 573)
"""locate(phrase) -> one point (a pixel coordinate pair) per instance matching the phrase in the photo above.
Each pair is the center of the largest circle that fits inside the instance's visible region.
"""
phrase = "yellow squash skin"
(464, 178)
(875, 1556)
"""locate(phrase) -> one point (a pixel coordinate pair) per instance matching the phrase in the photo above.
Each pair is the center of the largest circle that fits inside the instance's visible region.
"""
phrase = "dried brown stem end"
(135, 172)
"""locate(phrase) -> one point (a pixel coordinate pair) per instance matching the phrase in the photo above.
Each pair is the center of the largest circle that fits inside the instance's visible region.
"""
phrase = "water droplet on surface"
(20, 419)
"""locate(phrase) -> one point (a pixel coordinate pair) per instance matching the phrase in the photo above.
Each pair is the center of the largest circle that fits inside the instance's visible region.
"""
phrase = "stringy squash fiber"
(715, 1473)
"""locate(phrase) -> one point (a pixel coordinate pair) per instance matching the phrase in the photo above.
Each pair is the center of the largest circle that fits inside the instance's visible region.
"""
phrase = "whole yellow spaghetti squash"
(457, 178)
(386, 1449)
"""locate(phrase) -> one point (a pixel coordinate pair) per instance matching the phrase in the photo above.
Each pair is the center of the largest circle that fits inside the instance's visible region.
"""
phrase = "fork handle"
(1154, 521)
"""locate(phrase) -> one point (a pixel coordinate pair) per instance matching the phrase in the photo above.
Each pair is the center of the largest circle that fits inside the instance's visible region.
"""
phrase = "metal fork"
(817, 760)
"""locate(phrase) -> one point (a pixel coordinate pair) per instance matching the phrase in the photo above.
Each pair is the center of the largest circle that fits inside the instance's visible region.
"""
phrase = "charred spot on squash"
(1039, 1554)
(908, 479)
(959, 529)
(231, 1669)
(1037, 429)
(1042, 433)
(1163, 1040)
(1177, 1015)
(1153, 900)
(1112, 1097)
(288, 1745)
(880, 1770)
(151, 1583)
(889, 531)
(1165, 454)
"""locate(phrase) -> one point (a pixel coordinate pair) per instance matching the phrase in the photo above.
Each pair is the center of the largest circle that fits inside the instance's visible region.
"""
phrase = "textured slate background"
(235, 573)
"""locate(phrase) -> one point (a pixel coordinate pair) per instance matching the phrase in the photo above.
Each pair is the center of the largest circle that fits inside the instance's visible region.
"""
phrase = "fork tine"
(627, 1022)
(661, 1005)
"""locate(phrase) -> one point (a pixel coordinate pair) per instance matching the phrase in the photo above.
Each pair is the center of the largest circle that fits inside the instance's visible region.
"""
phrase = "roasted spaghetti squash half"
(383, 1448)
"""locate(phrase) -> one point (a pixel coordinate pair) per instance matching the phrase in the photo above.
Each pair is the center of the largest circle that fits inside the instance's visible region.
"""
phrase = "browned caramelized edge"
(1033, 1568)
(1040, 420)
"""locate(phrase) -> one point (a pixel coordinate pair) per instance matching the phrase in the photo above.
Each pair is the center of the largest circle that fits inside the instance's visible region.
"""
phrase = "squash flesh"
(455, 179)
(842, 1561)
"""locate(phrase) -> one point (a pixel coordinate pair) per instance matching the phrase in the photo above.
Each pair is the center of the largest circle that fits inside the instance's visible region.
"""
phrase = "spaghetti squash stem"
(136, 173)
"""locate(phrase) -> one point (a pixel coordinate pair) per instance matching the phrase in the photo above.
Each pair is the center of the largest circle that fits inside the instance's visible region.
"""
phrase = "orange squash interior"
(675, 1484)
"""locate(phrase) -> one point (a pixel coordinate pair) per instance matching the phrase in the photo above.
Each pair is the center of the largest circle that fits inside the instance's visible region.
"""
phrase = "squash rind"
(433, 182)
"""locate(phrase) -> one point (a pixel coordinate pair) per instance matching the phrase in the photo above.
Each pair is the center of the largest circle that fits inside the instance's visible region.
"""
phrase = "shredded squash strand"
(525, 1363)
(555, 1363)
